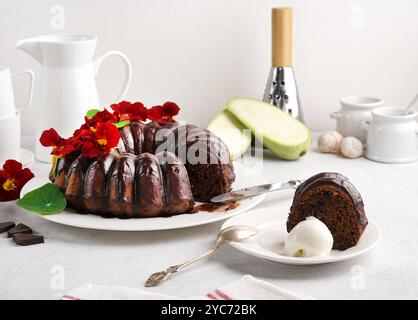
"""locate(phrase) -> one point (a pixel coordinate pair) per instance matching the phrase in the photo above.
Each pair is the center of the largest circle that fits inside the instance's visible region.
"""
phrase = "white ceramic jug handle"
(335, 115)
(31, 86)
(128, 67)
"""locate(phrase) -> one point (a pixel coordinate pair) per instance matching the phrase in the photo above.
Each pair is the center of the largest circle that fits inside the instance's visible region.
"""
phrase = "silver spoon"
(410, 105)
(230, 234)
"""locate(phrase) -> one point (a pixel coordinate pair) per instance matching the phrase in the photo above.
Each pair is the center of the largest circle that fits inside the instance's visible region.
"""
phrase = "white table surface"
(390, 271)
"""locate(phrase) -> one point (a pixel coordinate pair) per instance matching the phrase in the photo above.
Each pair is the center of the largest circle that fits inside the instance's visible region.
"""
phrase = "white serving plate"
(245, 177)
(269, 242)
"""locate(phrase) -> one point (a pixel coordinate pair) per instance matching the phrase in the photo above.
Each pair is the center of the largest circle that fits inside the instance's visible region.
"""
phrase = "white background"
(200, 53)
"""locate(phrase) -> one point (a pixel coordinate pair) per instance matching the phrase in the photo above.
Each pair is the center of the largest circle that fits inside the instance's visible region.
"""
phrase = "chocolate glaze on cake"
(205, 156)
(331, 198)
(152, 172)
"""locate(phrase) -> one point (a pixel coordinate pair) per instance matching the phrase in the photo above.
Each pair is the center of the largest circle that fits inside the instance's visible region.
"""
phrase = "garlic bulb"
(351, 147)
(329, 142)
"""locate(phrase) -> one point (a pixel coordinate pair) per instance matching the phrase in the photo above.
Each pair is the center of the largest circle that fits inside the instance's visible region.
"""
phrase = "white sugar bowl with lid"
(354, 110)
(392, 135)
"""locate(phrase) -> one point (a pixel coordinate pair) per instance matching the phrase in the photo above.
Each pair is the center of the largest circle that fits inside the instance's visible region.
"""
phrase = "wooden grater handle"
(282, 32)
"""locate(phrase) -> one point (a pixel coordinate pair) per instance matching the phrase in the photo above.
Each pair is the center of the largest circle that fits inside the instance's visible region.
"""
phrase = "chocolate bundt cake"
(156, 170)
(331, 198)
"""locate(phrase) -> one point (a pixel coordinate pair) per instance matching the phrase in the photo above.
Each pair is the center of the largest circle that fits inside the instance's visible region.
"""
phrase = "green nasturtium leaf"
(46, 200)
(91, 113)
(121, 124)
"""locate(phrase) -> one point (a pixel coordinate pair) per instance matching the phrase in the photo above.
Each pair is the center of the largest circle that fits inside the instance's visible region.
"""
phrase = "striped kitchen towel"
(246, 288)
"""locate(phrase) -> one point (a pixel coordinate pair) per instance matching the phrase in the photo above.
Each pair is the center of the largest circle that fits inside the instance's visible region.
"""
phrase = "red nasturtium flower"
(91, 141)
(165, 113)
(130, 111)
(100, 141)
(61, 146)
(100, 117)
(12, 179)
(50, 138)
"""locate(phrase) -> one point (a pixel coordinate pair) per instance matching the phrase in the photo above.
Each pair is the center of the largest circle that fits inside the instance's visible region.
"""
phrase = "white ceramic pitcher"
(68, 84)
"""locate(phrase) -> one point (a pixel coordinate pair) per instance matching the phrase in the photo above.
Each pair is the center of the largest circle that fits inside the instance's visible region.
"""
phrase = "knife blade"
(255, 191)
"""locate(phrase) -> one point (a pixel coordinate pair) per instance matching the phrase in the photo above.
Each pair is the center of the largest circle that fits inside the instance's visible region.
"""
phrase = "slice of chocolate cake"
(331, 198)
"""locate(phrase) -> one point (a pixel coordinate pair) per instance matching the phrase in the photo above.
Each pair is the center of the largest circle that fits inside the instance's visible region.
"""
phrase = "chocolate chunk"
(20, 228)
(6, 226)
(23, 239)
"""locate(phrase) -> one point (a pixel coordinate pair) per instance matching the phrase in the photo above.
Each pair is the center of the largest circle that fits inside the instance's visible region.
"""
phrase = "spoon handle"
(160, 276)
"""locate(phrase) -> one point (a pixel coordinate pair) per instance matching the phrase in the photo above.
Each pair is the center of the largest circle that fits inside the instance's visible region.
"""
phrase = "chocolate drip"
(128, 140)
(137, 132)
(76, 179)
(149, 190)
(177, 198)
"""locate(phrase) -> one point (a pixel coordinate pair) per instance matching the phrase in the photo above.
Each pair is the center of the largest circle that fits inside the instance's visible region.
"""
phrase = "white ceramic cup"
(7, 100)
(10, 139)
(354, 110)
(10, 114)
(392, 137)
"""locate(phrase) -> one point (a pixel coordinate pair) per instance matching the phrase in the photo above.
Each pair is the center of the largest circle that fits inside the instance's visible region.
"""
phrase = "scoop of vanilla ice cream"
(308, 238)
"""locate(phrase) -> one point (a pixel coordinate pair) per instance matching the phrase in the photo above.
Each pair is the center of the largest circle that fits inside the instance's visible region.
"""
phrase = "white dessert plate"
(245, 177)
(269, 242)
